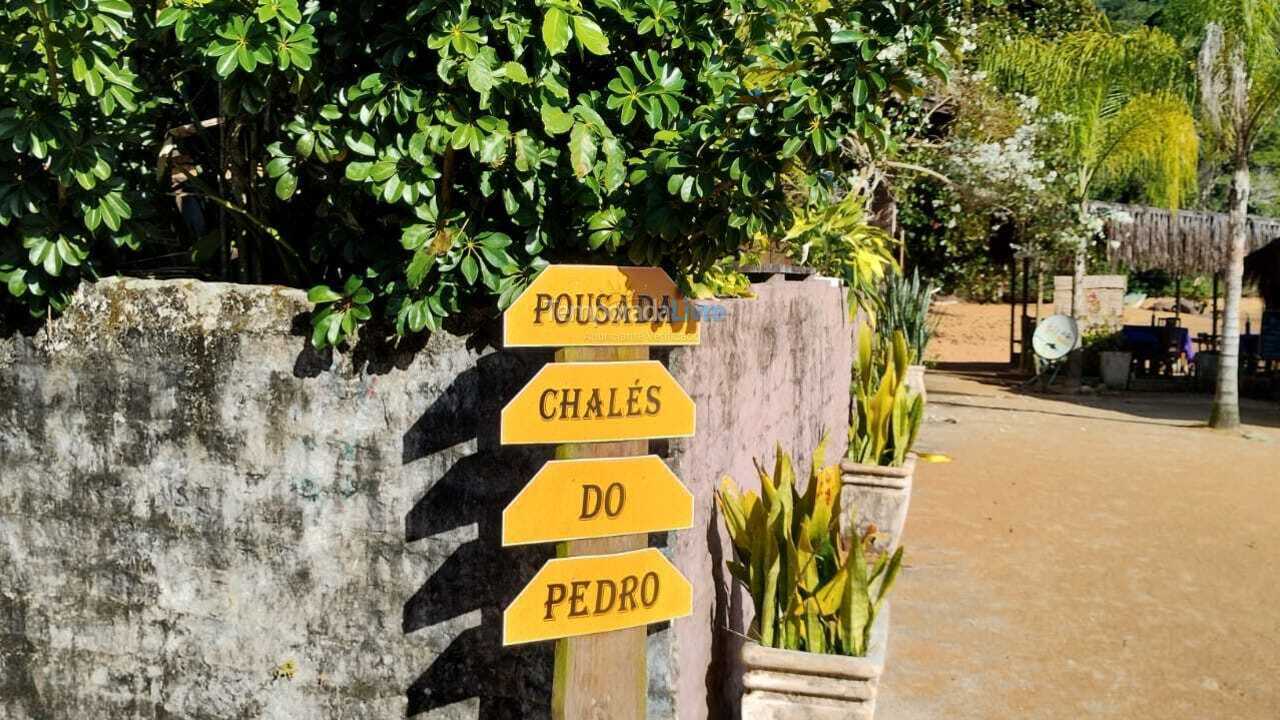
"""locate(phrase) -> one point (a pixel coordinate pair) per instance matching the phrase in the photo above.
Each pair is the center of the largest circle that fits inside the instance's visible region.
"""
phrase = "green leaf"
(322, 294)
(555, 120)
(582, 149)
(226, 65)
(363, 144)
(515, 72)
(555, 30)
(470, 268)
(480, 75)
(119, 8)
(418, 267)
(286, 186)
(590, 35)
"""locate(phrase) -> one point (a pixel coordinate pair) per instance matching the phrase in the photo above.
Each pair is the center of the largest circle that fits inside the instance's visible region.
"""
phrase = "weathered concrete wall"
(202, 518)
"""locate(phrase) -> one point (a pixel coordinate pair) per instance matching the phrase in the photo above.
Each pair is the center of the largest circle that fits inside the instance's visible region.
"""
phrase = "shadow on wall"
(479, 575)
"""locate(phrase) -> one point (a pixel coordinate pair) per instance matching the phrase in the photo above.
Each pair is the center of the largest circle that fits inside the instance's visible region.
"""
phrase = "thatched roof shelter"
(1197, 243)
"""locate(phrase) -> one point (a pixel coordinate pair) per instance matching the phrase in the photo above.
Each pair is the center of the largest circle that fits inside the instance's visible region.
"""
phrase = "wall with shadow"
(477, 576)
(204, 518)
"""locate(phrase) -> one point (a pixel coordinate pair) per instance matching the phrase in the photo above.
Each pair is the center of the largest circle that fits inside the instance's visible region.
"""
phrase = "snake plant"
(886, 415)
(905, 307)
(810, 583)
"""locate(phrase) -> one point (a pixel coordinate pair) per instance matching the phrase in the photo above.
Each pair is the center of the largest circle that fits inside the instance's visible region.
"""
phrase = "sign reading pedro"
(597, 593)
(600, 305)
(600, 497)
(576, 402)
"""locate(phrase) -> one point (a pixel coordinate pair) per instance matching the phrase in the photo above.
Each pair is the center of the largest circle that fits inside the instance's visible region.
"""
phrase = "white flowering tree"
(1127, 119)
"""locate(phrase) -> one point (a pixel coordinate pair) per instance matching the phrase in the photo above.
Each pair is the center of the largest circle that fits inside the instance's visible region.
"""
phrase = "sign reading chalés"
(597, 593)
(600, 305)
(598, 497)
(575, 402)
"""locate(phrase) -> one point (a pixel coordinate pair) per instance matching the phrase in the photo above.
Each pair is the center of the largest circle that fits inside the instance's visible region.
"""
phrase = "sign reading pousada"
(575, 402)
(597, 497)
(605, 305)
(597, 593)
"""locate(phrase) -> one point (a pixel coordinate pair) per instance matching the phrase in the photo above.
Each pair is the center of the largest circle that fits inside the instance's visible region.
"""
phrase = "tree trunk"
(1075, 363)
(1226, 402)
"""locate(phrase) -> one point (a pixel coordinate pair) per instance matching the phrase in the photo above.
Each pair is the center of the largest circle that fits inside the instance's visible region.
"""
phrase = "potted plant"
(817, 646)
(885, 420)
(1113, 358)
(905, 308)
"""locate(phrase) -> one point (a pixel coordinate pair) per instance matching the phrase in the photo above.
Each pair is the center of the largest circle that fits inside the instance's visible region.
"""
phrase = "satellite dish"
(1055, 337)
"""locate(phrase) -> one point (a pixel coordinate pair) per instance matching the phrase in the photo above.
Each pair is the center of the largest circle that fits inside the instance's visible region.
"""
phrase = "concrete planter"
(793, 685)
(1115, 368)
(915, 380)
(881, 496)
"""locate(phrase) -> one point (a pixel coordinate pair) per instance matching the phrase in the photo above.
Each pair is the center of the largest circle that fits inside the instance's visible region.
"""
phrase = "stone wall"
(201, 517)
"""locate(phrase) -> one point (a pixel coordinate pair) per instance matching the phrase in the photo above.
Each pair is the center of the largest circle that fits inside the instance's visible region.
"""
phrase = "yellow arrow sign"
(605, 305)
(575, 402)
(597, 593)
(599, 497)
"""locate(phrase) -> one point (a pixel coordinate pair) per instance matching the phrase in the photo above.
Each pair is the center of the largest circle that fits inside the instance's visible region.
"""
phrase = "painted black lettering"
(578, 598)
(542, 305)
(601, 587)
(626, 597)
(649, 589)
(564, 308)
(555, 596)
(592, 500)
(614, 498)
(655, 402)
(569, 403)
(546, 412)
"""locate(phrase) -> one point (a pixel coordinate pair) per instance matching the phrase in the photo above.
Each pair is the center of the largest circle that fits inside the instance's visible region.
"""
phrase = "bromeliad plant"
(886, 414)
(810, 584)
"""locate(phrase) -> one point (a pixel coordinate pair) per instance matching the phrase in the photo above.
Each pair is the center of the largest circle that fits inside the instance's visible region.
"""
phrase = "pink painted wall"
(775, 370)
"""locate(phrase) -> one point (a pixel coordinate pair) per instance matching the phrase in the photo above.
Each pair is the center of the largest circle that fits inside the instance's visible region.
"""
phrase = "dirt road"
(1088, 558)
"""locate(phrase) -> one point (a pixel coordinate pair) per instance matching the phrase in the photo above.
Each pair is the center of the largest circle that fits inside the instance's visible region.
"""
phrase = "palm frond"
(1153, 141)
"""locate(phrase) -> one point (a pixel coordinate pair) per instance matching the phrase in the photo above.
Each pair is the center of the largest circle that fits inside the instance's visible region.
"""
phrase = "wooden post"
(1214, 312)
(1013, 306)
(1177, 296)
(602, 676)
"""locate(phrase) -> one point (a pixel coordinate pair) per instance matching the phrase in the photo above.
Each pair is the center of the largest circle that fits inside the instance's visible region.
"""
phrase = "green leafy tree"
(439, 152)
(1239, 99)
(1127, 118)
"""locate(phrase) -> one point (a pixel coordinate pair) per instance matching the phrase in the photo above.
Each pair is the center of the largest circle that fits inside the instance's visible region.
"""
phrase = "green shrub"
(441, 152)
(809, 581)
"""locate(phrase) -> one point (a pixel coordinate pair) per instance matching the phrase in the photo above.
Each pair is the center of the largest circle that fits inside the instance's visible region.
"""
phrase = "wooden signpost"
(602, 401)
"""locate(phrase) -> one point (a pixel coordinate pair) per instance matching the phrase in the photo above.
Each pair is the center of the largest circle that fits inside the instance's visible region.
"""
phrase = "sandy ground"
(971, 332)
(1100, 557)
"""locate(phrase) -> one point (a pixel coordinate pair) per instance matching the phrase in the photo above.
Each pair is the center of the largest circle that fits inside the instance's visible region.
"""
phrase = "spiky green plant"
(906, 307)
(886, 415)
(809, 582)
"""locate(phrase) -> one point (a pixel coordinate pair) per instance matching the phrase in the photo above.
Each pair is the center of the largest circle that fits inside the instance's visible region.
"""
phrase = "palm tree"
(1239, 76)
(1127, 117)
